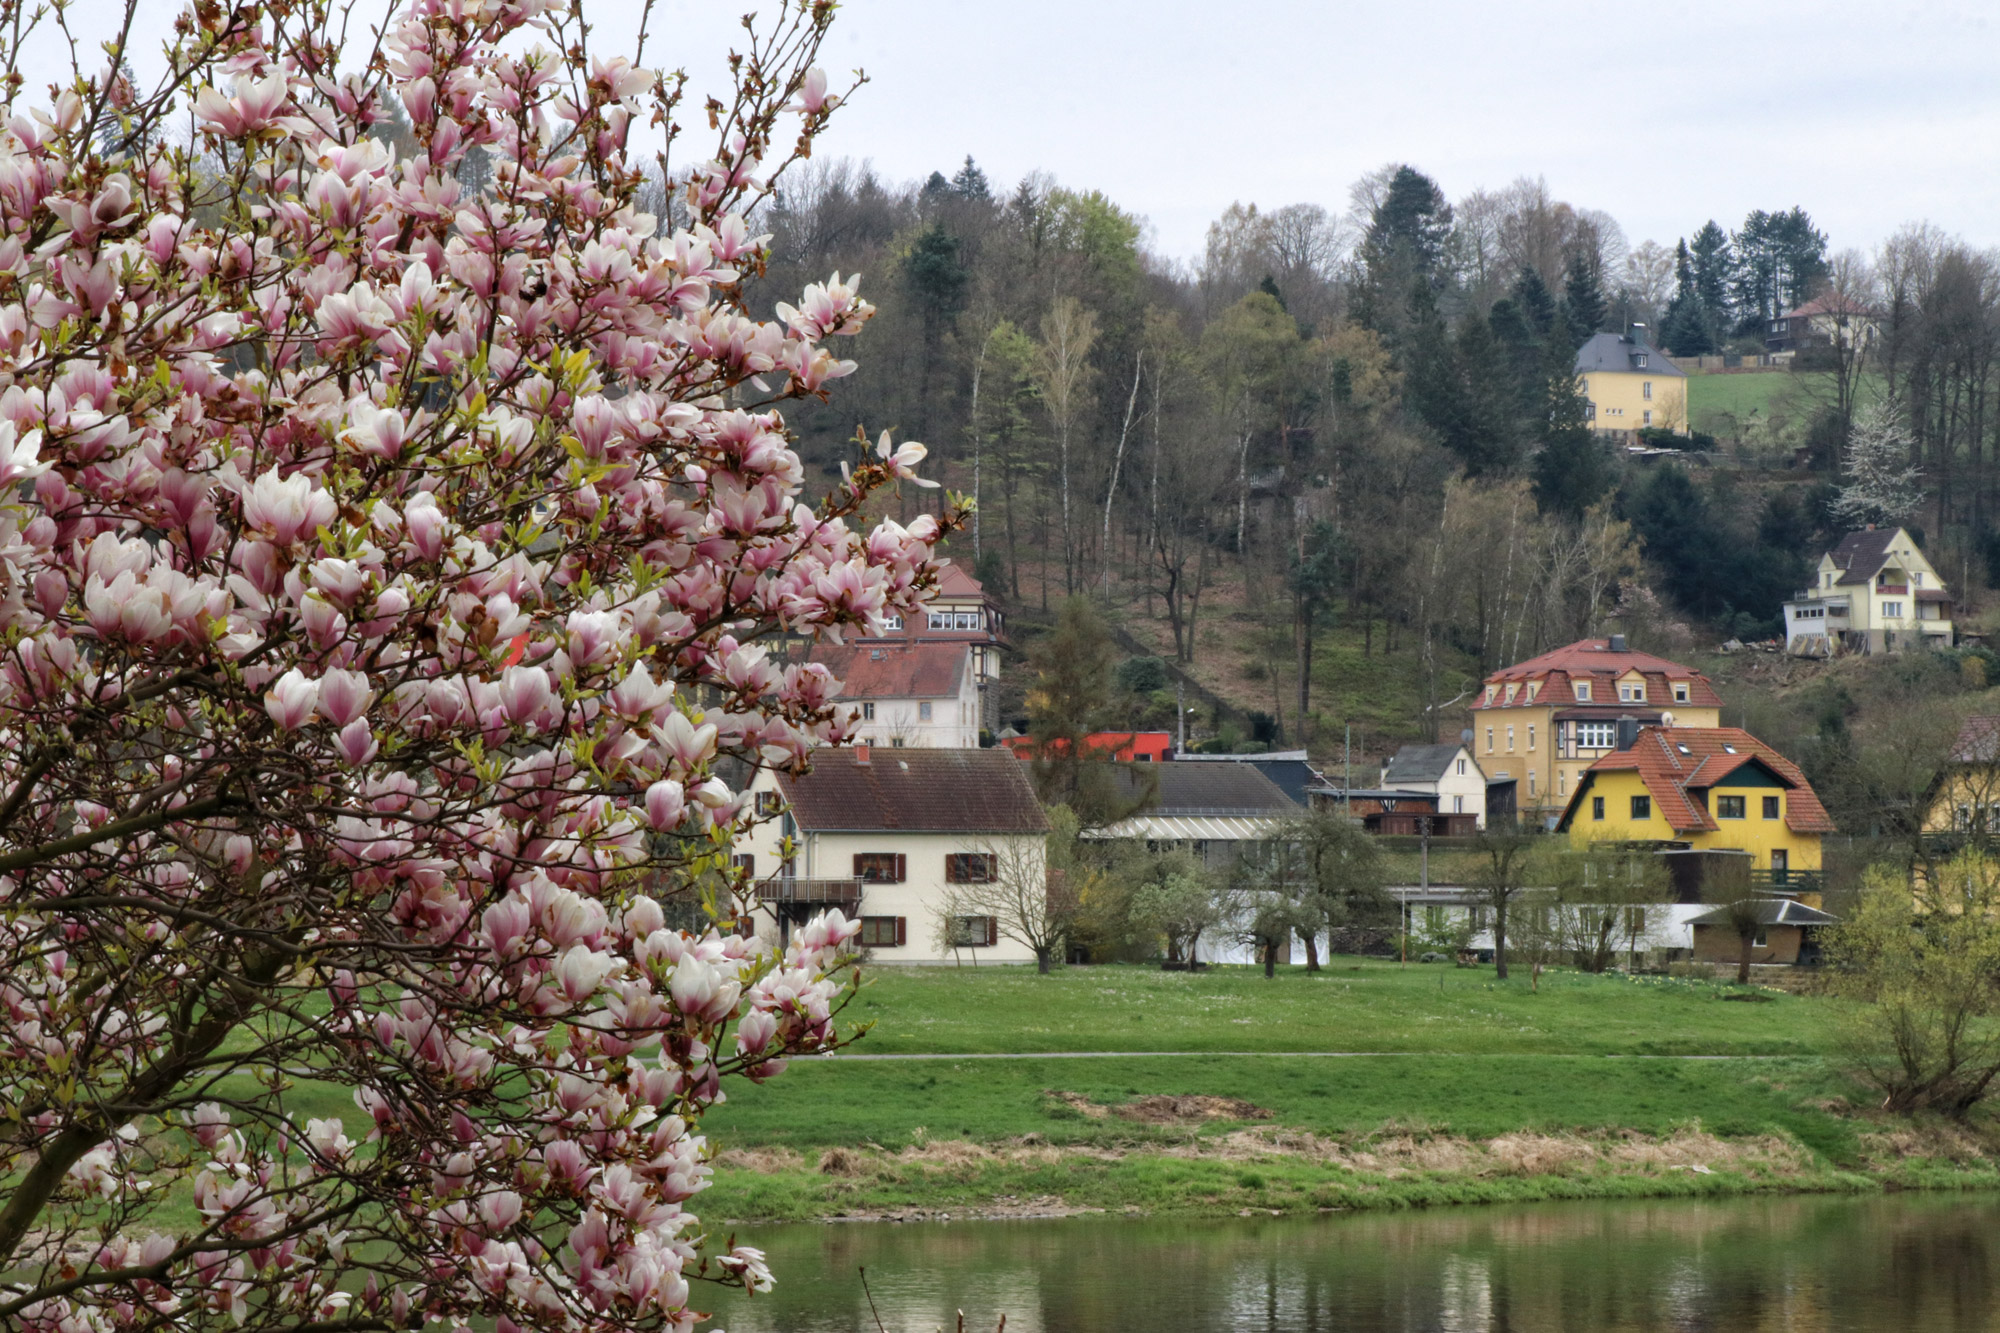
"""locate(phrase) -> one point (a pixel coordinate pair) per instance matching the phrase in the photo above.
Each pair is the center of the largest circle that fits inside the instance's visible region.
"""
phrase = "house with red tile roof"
(923, 684)
(1537, 725)
(1705, 790)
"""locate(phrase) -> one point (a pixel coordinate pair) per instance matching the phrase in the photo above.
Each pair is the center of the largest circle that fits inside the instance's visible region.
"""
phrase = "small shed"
(1787, 933)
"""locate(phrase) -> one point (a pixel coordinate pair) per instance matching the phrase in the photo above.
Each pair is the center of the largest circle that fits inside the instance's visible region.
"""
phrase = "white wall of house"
(947, 723)
(919, 900)
(1462, 789)
(1887, 611)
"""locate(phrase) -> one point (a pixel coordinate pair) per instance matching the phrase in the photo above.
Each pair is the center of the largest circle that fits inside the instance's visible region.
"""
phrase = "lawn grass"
(1715, 398)
(821, 1104)
(1599, 1067)
(1353, 1005)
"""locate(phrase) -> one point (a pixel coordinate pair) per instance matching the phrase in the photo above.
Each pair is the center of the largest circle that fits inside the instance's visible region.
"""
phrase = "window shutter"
(902, 930)
(857, 864)
(992, 931)
(902, 868)
(951, 867)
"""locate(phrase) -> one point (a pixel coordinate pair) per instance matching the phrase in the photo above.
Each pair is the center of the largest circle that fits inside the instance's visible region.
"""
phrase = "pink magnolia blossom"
(392, 576)
(292, 700)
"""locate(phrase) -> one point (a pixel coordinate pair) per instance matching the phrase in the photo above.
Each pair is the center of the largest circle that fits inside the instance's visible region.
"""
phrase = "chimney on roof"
(1617, 644)
(1636, 333)
(861, 756)
(1628, 732)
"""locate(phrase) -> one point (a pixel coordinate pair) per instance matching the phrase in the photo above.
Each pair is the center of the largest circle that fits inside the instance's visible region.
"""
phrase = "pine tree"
(1583, 300)
(1683, 330)
(970, 182)
(1537, 303)
(1880, 486)
(1570, 471)
(1404, 248)
(1714, 273)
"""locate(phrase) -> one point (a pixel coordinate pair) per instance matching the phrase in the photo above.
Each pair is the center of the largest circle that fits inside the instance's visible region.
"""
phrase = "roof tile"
(1673, 760)
(914, 791)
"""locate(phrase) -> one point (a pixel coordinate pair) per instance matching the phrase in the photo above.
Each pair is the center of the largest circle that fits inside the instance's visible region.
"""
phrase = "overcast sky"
(1869, 113)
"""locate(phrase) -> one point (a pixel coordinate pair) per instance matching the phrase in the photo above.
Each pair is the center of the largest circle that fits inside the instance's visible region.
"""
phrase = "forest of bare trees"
(1368, 414)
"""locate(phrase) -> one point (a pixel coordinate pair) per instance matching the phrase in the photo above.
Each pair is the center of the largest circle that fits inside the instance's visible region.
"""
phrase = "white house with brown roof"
(1873, 593)
(883, 835)
(922, 684)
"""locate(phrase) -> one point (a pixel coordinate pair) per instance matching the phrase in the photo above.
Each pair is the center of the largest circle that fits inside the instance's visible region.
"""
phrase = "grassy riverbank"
(1473, 1091)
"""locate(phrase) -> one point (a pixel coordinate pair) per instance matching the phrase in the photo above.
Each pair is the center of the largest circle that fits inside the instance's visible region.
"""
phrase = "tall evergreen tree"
(1403, 248)
(1684, 331)
(1714, 274)
(1570, 471)
(1780, 260)
(936, 279)
(1583, 301)
(1413, 217)
(969, 182)
(1537, 303)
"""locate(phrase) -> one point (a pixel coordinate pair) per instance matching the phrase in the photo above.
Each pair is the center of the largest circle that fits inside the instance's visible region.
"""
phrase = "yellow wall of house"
(1753, 833)
(1555, 778)
(1977, 789)
(1622, 404)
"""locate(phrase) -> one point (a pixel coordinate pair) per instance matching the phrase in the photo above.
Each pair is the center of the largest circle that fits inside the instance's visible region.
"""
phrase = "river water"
(1922, 1263)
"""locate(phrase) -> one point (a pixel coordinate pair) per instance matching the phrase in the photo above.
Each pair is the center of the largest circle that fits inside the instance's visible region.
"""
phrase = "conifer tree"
(1714, 266)
(1583, 301)
(1570, 471)
(1536, 302)
(1684, 331)
(969, 182)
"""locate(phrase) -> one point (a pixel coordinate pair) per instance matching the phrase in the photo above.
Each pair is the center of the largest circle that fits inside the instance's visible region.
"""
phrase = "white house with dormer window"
(1873, 593)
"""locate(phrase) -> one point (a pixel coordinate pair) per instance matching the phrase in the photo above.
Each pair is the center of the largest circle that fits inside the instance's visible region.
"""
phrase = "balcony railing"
(1788, 881)
(1893, 589)
(810, 892)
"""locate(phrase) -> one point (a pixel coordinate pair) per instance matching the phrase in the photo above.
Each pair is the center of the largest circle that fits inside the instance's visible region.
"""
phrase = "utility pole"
(1180, 715)
(1347, 758)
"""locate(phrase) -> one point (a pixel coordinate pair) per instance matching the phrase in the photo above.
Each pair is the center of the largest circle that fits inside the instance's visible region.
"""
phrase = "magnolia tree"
(382, 580)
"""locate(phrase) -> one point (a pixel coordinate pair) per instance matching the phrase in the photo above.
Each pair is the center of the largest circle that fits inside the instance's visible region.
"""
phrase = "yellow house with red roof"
(1715, 789)
(1542, 722)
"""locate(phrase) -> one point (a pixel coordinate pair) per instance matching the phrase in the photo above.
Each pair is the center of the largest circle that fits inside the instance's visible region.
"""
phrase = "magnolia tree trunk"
(386, 570)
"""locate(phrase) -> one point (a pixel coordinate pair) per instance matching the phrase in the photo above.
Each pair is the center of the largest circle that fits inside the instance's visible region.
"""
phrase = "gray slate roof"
(1419, 763)
(1207, 789)
(1608, 351)
(1772, 912)
(1861, 555)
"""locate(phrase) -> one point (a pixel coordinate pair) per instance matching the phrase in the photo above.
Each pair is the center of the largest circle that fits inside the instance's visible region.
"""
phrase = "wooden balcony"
(1787, 881)
(843, 893)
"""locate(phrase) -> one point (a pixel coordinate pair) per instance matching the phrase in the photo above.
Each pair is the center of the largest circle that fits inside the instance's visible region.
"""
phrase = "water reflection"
(1746, 1266)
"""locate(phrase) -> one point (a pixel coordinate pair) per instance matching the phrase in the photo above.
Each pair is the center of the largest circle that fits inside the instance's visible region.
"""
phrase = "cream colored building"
(1537, 725)
(922, 684)
(885, 835)
(1631, 385)
(1873, 593)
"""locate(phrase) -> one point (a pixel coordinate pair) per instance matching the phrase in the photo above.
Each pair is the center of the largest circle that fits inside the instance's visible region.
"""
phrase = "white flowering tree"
(1879, 485)
(383, 574)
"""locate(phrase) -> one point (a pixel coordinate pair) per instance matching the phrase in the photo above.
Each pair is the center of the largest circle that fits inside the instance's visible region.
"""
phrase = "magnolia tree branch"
(386, 572)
